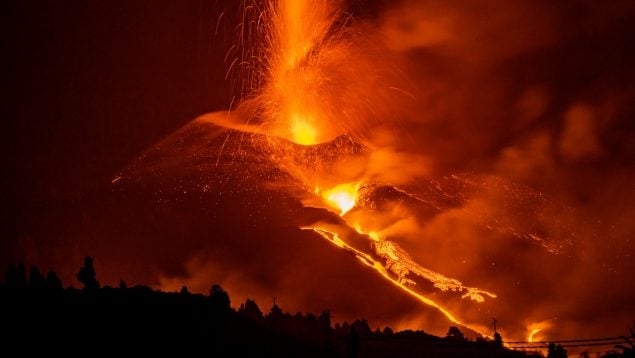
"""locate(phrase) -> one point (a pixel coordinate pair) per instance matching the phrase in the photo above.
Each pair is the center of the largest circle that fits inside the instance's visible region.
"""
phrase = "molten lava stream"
(398, 264)
(306, 64)
(379, 268)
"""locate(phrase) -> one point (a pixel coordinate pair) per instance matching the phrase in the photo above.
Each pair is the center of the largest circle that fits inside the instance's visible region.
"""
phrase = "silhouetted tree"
(122, 284)
(626, 351)
(209, 322)
(53, 282)
(36, 279)
(361, 327)
(481, 342)
(15, 277)
(275, 313)
(250, 310)
(324, 320)
(87, 276)
(218, 297)
(454, 333)
(498, 340)
(21, 276)
(556, 351)
(628, 348)
(12, 278)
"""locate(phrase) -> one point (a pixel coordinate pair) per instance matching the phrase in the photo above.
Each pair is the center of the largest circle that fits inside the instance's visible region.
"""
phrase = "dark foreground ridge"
(39, 315)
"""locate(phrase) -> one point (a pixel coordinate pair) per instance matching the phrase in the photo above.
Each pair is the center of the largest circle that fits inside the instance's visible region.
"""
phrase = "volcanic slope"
(209, 204)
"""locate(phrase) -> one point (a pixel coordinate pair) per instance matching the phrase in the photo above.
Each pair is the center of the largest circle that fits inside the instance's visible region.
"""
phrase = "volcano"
(236, 216)
(404, 162)
(214, 205)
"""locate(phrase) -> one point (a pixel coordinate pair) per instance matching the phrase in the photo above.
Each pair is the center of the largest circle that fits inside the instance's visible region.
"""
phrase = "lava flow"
(320, 146)
(314, 93)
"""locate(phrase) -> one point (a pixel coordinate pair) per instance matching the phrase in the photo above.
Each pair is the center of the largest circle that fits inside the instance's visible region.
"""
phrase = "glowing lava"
(532, 334)
(315, 88)
(342, 197)
(537, 328)
(309, 98)
(376, 265)
(302, 131)
(293, 100)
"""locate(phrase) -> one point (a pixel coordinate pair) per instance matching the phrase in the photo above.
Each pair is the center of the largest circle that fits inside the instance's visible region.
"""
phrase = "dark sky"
(91, 84)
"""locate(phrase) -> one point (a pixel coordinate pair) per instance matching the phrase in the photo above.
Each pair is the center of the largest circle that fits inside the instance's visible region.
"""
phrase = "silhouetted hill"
(38, 315)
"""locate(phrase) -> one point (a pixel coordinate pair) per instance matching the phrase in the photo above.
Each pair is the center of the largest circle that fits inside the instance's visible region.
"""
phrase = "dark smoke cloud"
(539, 93)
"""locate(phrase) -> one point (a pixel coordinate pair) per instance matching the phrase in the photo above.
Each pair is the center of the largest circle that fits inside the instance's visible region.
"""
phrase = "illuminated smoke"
(436, 186)
(311, 66)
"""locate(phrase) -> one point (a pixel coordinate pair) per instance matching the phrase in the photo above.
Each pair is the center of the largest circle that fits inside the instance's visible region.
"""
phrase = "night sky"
(90, 85)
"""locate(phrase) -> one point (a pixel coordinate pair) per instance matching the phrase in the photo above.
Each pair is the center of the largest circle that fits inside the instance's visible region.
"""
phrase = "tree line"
(37, 308)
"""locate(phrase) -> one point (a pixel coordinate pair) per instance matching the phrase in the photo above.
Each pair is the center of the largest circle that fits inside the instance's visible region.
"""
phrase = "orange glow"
(478, 156)
(369, 261)
(318, 87)
(536, 329)
(303, 132)
(315, 83)
(532, 334)
(342, 197)
(294, 103)
(322, 91)
(301, 24)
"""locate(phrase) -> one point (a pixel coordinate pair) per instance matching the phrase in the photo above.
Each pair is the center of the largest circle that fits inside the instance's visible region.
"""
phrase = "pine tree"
(87, 276)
